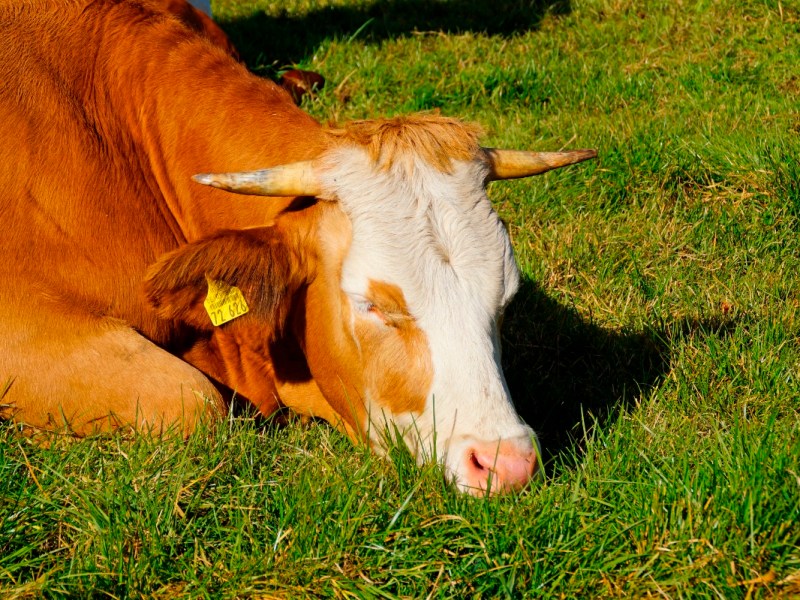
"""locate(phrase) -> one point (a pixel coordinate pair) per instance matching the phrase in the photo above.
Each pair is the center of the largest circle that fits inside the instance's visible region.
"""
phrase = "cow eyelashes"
(365, 307)
(369, 308)
(361, 304)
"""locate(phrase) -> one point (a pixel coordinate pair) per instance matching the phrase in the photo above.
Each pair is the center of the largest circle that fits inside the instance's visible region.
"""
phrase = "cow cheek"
(332, 355)
(398, 370)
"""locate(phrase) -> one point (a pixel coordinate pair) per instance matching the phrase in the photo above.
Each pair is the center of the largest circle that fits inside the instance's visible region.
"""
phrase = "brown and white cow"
(375, 272)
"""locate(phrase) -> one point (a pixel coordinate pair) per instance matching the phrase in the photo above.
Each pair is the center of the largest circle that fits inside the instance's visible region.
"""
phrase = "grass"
(654, 344)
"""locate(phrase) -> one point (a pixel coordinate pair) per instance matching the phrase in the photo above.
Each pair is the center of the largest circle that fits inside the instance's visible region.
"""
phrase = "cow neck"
(198, 111)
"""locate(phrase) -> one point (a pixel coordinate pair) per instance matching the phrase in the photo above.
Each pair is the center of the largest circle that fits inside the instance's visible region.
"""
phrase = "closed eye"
(391, 318)
(385, 302)
(361, 304)
(367, 308)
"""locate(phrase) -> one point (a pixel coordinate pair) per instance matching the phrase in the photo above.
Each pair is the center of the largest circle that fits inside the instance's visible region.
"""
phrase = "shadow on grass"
(565, 373)
(286, 39)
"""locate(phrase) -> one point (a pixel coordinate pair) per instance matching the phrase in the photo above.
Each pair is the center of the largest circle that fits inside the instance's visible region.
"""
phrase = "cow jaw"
(426, 277)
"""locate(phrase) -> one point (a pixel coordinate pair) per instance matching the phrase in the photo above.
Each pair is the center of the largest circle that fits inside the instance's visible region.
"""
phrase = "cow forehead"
(433, 234)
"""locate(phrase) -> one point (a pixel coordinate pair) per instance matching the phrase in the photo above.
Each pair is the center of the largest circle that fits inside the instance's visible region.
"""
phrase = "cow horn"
(512, 164)
(293, 179)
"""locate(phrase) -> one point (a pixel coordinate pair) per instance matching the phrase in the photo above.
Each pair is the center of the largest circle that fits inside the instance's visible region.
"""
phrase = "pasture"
(654, 344)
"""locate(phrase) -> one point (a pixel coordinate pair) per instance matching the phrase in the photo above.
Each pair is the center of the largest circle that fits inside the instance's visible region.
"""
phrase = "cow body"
(96, 162)
(373, 304)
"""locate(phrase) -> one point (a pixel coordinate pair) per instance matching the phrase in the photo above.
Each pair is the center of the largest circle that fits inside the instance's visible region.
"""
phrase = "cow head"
(401, 322)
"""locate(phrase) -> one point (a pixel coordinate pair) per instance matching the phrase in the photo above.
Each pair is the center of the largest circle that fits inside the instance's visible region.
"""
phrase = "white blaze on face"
(436, 237)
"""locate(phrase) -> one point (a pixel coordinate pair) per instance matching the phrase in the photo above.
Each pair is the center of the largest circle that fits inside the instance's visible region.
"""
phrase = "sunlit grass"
(654, 343)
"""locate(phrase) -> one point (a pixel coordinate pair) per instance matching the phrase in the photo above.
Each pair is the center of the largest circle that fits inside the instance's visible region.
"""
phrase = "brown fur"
(107, 109)
(438, 140)
(260, 262)
(200, 22)
(393, 353)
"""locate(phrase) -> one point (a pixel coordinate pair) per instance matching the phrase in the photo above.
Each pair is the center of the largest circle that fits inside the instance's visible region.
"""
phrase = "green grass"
(655, 344)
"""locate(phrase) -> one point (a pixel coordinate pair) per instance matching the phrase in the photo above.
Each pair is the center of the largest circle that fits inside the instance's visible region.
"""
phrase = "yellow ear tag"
(224, 302)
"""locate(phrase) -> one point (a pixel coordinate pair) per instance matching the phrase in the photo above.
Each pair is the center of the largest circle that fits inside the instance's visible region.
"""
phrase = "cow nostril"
(500, 466)
(475, 462)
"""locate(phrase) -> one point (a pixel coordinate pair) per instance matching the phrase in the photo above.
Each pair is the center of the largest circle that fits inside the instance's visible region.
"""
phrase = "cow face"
(401, 322)
(422, 286)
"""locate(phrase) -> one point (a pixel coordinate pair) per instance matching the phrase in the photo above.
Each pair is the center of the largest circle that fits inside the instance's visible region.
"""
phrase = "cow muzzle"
(506, 465)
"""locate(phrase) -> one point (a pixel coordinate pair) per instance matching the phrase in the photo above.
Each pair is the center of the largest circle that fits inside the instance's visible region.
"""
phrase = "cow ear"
(258, 262)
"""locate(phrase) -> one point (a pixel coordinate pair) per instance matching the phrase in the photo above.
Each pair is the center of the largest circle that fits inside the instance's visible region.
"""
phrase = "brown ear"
(257, 261)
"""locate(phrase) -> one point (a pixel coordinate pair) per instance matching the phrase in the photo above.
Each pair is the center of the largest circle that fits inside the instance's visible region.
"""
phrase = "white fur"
(436, 237)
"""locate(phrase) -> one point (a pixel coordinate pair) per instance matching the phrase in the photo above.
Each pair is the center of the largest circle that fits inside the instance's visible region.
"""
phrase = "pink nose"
(505, 466)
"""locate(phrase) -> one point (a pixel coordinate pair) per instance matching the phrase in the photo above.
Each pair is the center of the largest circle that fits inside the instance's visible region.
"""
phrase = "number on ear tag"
(224, 302)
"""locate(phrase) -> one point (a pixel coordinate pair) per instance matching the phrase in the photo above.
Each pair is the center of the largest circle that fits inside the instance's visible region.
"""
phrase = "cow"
(177, 234)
